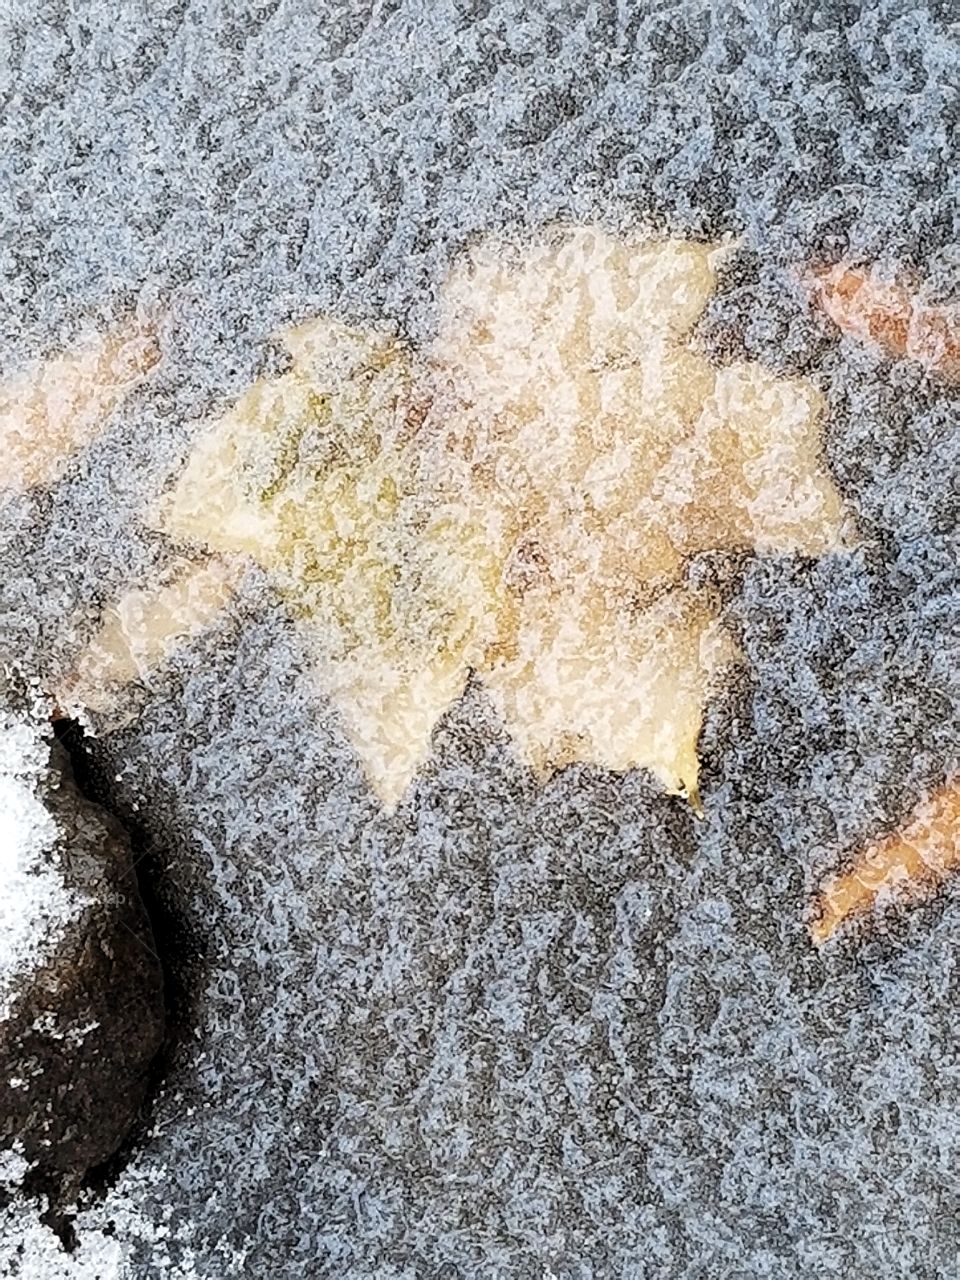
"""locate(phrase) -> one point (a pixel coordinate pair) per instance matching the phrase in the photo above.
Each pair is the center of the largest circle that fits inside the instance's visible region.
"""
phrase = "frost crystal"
(519, 499)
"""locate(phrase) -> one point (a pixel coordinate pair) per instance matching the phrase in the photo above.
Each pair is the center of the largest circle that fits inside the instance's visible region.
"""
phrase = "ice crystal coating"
(51, 409)
(520, 499)
(909, 863)
(142, 629)
(890, 316)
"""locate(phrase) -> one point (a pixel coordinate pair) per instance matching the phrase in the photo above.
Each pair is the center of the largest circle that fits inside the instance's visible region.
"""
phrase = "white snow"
(31, 1251)
(34, 902)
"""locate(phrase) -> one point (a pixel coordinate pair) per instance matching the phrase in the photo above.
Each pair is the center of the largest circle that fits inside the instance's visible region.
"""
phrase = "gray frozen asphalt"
(514, 1031)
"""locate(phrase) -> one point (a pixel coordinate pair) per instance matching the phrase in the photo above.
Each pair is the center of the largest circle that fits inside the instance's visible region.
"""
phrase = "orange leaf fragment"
(892, 317)
(52, 408)
(909, 863)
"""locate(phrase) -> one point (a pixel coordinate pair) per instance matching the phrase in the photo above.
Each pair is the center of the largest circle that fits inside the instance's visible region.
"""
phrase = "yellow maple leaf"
(314, 474)
(521, 499)
(615, 452)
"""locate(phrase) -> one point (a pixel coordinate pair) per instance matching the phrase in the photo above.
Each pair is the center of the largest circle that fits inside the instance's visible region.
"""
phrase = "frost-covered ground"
(515, 1030)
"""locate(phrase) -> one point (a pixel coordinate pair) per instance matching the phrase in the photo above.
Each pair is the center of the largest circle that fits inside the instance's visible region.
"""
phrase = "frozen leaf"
(892, 317)
(519, 499)
(594, 684)
(142, 629)
(603, 452)
(50, 410)
(907, 864)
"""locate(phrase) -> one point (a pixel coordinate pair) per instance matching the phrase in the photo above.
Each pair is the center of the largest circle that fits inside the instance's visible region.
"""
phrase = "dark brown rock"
(78, 1041)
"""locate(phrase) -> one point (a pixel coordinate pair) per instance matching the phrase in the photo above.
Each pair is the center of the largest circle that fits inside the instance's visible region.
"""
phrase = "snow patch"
(35, 904)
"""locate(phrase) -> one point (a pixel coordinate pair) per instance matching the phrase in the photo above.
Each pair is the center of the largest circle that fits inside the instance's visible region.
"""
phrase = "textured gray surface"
(514, 1031)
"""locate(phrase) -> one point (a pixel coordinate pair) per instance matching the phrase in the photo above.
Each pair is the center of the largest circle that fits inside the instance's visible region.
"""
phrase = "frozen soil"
(515, 1029)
